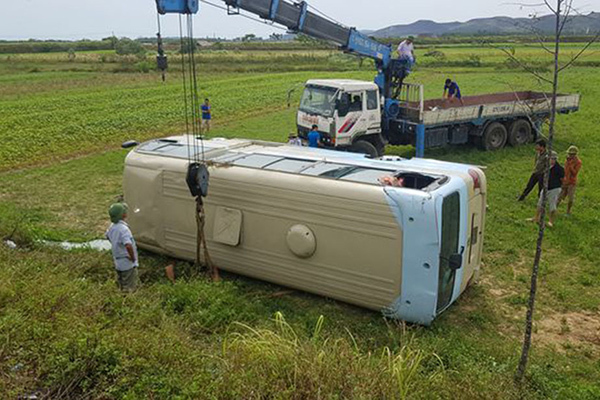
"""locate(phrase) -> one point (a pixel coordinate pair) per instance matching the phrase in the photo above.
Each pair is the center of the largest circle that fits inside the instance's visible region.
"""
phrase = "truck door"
(450, 230)
(352, 120)
(373, 112)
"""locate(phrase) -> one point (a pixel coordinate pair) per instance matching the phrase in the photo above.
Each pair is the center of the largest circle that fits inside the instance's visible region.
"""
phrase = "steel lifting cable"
(197, 162)
(185, 96)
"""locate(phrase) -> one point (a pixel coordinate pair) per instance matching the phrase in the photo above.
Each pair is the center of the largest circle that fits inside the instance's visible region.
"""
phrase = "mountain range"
(576, 25)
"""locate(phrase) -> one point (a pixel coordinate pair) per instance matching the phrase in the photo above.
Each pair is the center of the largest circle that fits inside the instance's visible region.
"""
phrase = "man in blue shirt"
(206, 116)
(452, 91)
(314, 137)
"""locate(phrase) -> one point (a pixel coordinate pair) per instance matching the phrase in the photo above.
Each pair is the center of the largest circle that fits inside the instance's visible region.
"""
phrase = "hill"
(577, 25)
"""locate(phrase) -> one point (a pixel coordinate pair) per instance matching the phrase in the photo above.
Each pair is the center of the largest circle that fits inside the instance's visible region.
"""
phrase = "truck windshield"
(318, 100)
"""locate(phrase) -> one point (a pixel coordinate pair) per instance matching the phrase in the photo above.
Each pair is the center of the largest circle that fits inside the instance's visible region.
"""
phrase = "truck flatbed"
(487, 107)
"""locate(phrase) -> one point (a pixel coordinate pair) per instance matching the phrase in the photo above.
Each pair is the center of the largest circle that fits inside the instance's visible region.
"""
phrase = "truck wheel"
(379, 144)
(520, 133)
(364, 147)
(494, 137)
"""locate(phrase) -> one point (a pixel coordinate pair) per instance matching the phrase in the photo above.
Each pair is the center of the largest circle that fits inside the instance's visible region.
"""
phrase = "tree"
(125, 46)
(250, 37)
(113, 41)
(561, 11)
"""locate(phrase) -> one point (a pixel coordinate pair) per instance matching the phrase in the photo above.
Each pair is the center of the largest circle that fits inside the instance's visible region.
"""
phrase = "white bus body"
(318, 220)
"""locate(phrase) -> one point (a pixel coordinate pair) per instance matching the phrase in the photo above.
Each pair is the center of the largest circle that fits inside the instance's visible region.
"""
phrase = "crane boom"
(297, 18)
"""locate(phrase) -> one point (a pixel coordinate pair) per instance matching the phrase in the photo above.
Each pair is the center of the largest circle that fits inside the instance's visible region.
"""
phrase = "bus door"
(450, 254)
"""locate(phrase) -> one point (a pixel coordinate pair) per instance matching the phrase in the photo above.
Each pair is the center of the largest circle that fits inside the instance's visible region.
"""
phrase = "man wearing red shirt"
(569, 183)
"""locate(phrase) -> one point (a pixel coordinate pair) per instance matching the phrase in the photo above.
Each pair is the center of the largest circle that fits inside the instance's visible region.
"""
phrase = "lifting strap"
(201, 242)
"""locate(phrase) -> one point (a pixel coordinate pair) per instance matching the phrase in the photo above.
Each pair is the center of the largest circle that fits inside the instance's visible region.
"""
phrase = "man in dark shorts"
(540, 167)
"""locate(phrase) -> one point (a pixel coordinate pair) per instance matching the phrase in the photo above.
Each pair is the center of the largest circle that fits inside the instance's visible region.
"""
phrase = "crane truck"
(363, 117)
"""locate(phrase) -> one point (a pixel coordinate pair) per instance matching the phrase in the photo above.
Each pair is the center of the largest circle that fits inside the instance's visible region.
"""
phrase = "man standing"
(541, 164)
(557, 173)
(569, 184)
(452, 91)
(314, 137)
(206, 116)
(294, 140)
(406, 51)
(124, 249)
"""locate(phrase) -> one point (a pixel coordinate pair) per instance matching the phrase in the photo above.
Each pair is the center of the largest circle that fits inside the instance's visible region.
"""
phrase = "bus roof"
(226, 151)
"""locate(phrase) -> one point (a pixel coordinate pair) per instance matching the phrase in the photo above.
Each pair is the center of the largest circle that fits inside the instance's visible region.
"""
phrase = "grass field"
(66, 331)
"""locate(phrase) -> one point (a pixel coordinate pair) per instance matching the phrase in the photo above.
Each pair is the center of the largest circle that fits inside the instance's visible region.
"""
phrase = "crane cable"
(195, 150)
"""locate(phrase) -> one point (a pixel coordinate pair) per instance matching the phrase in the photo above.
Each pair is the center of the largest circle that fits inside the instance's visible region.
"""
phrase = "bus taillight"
(476, 179)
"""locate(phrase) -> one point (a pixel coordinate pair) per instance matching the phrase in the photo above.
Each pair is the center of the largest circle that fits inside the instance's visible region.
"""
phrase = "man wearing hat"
(406, 51)
(557, 173)
(124, 249)
(569, 183)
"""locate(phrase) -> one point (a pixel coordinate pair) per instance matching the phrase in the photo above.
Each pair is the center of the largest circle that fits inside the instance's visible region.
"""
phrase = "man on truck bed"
(406, 51)
(541, 163)
(452, 91)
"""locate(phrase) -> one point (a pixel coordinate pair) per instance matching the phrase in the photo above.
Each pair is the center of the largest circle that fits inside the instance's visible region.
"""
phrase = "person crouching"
(124, 249)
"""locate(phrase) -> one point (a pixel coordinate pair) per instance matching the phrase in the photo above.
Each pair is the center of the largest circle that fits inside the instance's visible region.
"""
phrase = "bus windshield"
(318, 100)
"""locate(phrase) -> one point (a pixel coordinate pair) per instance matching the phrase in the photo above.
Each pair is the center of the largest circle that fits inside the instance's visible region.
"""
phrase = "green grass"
(65, 330)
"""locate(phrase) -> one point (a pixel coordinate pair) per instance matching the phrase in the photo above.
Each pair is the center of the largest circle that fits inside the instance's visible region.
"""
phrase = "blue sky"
(74, 19)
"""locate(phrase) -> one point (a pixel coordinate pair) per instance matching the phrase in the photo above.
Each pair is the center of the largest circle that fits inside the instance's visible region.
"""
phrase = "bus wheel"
(364, 147)
(520, 133)
(494, 137)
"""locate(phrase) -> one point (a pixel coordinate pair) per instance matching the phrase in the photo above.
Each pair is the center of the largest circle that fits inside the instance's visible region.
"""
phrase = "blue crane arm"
(177, 6)
(297, 18)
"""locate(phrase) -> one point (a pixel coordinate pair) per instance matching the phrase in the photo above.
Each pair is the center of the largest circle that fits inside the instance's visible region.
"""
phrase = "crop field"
(66, 331)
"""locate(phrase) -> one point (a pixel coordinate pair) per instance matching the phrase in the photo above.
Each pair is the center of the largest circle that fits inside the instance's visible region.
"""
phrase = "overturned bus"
(318, 220)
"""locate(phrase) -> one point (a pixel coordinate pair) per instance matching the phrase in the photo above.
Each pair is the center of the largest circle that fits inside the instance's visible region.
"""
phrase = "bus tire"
(494, 137)
(364, 147)
(520, 133)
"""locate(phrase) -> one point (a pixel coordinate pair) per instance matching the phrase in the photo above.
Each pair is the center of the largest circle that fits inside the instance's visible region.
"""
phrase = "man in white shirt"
(124, 249)
(406, 50)
(294, 140)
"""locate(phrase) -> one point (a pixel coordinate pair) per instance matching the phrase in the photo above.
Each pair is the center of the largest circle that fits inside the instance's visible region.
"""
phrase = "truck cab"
(347, 113)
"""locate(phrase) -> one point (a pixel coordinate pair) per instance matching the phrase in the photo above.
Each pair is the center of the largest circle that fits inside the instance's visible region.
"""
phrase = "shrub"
(280, 363)
(125, 46)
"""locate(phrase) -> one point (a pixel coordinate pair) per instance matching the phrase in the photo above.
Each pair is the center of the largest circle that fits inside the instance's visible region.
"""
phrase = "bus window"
(366, 175)
(449, 246)
(329, 170)
(256, 160)
(289, 165)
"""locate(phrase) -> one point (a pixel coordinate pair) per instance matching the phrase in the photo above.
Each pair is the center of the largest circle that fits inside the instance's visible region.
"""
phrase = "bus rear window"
(364, 175)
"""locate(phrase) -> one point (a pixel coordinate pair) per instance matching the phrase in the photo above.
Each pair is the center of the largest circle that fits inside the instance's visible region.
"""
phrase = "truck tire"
(520, 133)
(494, 137)
(364, 147)
(379, 144)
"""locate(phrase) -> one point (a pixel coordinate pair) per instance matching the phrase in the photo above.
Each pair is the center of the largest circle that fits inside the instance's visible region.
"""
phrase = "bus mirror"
(129, 144)
(455, 261)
